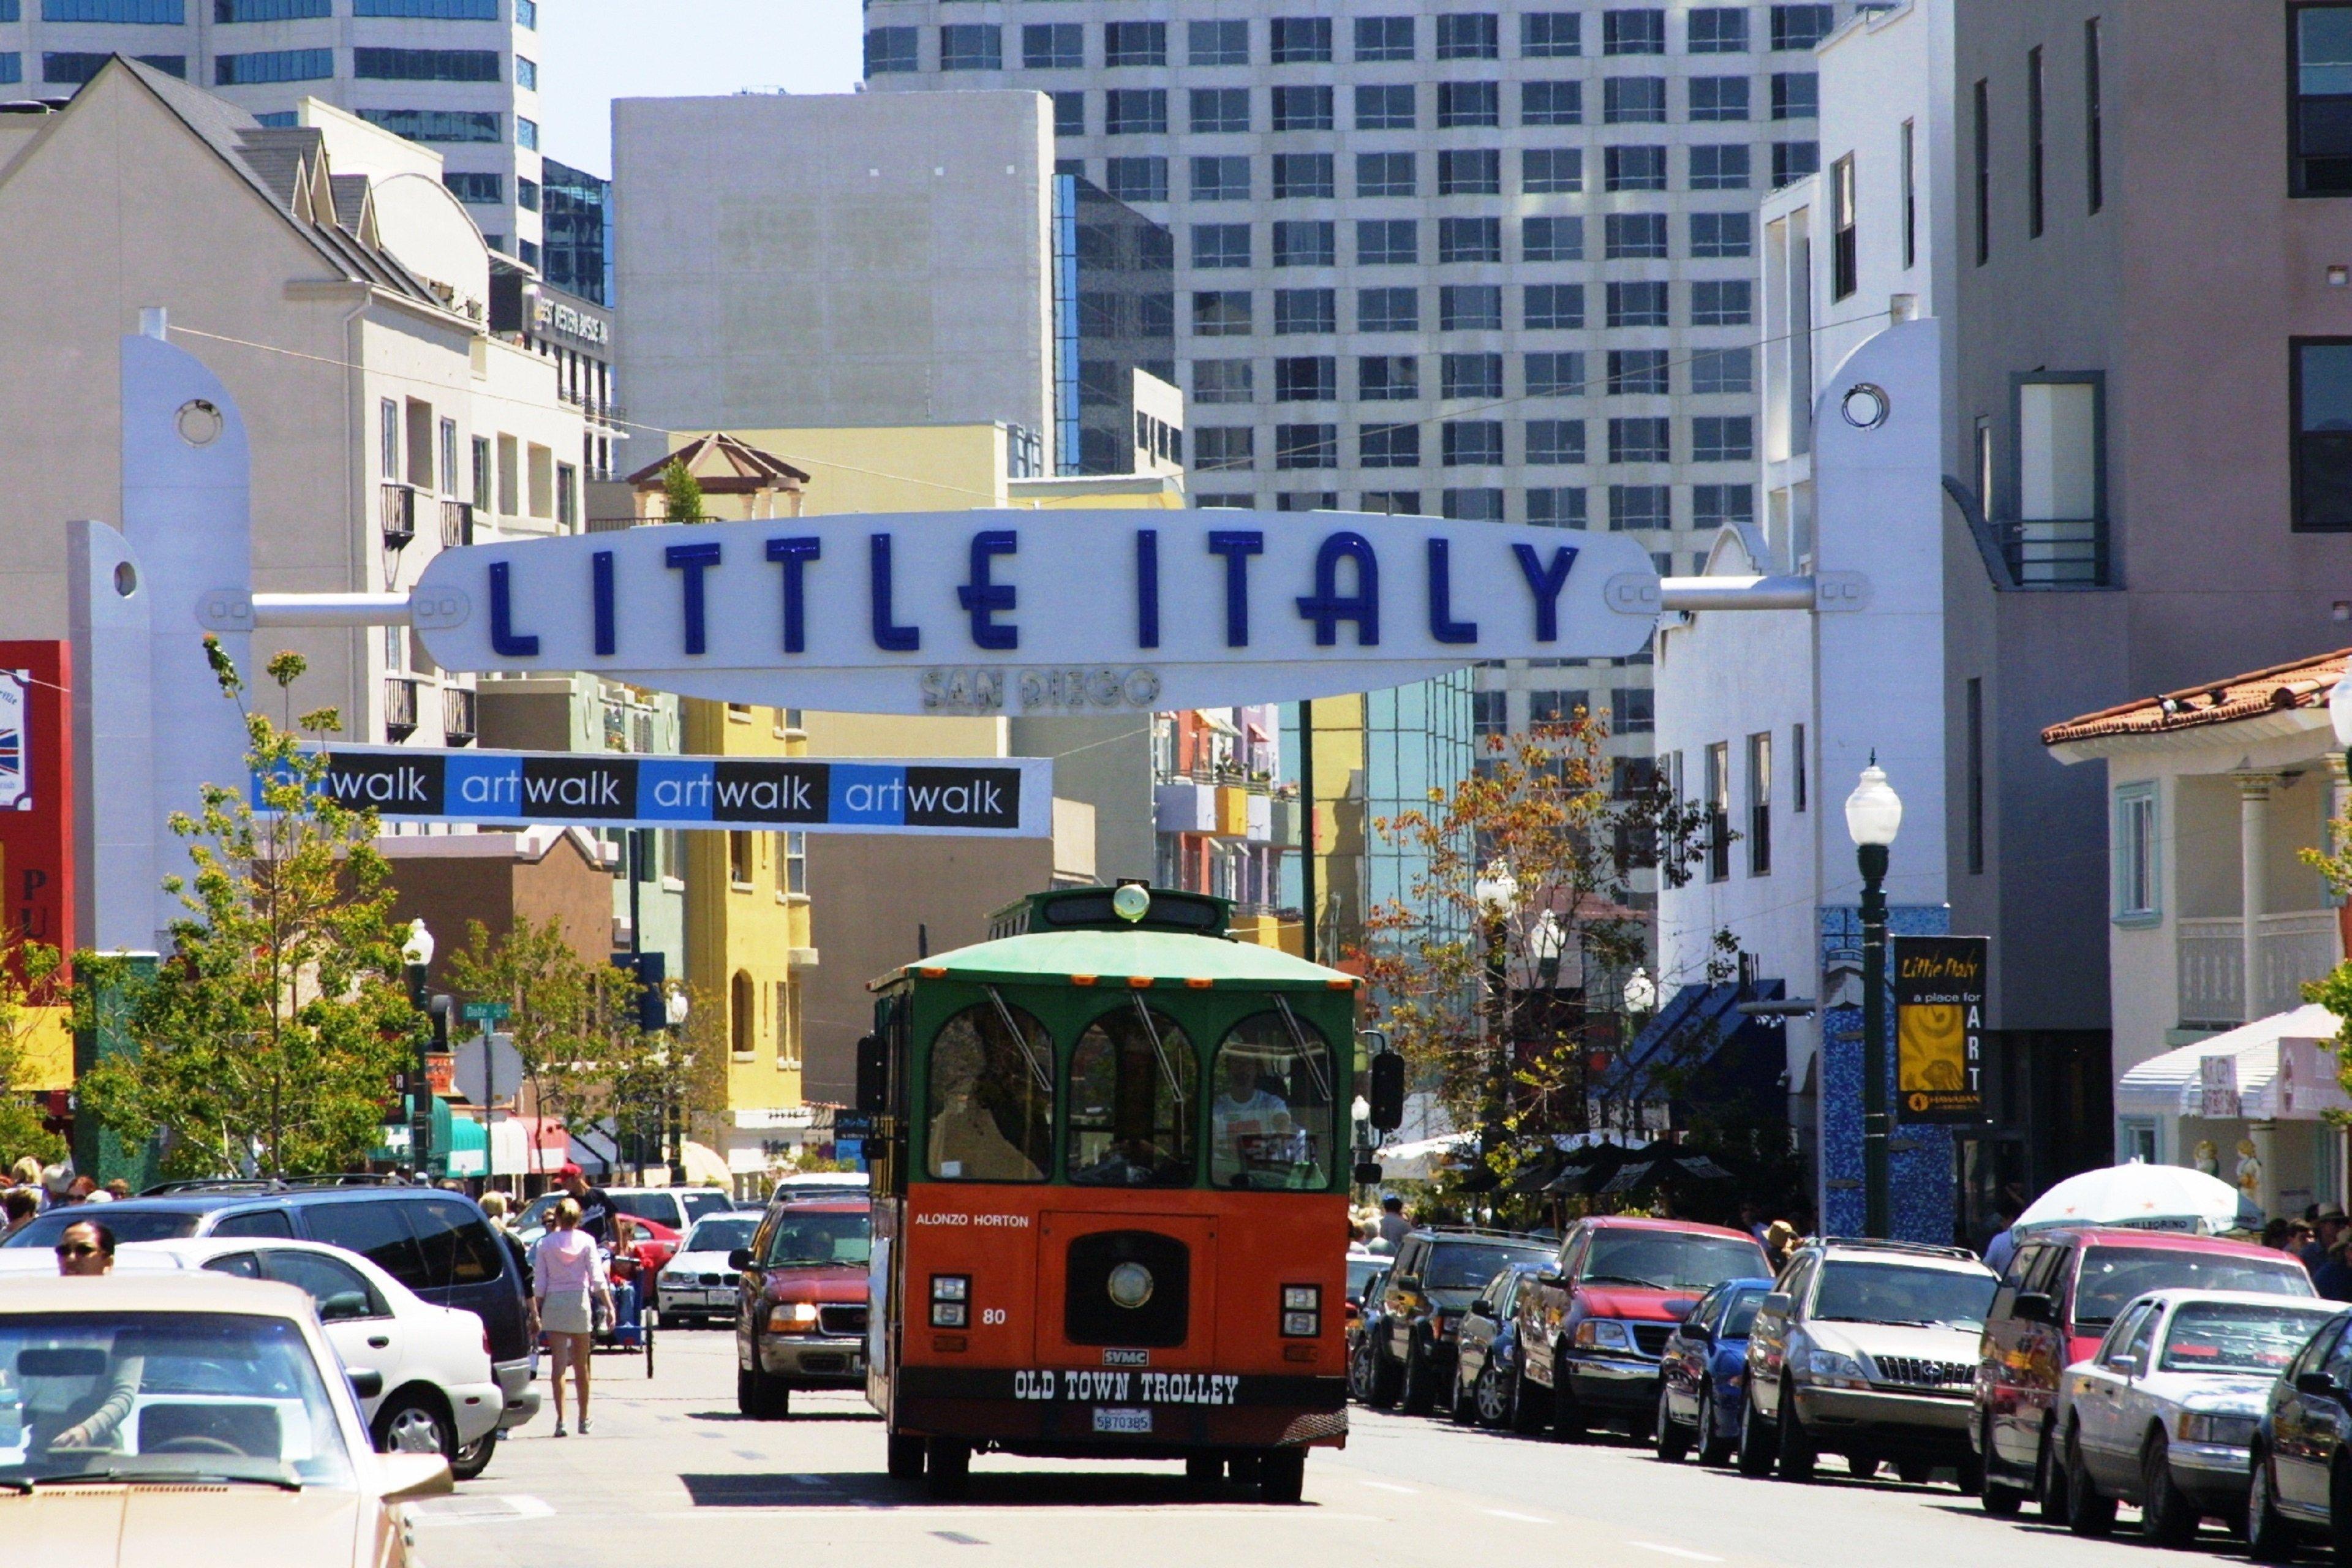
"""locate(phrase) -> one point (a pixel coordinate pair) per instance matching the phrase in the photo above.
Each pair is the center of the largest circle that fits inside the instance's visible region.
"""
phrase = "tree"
(682, 494)
(32, 978)
(269, 1038)
(2334, 991)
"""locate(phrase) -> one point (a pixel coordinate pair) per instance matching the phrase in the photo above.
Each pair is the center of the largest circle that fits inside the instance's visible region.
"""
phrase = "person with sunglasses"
(86, 1250)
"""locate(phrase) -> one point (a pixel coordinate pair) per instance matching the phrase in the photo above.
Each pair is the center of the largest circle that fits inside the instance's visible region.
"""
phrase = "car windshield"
(661, 1207)
(2224, 1336)
(706, 1201)
(721, 1232)
(1360, 1272)
(1460, 1267)
(217, 1396)
(1857, 1292)
(128, 1225)
(1667, 1261)
(1739, 1318)
(805, 1240)
(2112, 1276)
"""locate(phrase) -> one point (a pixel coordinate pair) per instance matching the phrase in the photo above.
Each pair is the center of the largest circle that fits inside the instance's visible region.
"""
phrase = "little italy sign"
(1036, 612)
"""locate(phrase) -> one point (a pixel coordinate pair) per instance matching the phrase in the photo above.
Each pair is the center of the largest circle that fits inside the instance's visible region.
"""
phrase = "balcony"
(456, 524)
(399, 708)
(398, 510)
(2057, 552)
(2290, 949)
(458, 726)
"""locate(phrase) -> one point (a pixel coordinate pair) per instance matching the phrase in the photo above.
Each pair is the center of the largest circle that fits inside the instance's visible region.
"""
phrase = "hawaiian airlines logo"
(15, 785)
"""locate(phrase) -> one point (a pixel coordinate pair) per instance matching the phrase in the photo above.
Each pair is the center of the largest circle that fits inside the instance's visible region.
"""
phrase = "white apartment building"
(1477, 259)
(461, 75)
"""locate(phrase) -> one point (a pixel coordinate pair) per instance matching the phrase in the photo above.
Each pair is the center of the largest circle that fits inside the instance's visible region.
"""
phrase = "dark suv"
(1436, 1276)
(436, 1243)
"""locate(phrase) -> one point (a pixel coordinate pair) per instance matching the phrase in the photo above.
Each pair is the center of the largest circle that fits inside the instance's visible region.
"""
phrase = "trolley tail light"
(1302, 1311)
(950, 1301)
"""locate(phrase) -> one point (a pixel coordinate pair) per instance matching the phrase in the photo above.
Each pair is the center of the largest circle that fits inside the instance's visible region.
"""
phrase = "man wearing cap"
(596, 1209)
(2328, 1224)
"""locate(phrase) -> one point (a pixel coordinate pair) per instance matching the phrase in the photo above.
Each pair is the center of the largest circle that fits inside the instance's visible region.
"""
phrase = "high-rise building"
(576, 217)
(460, 75)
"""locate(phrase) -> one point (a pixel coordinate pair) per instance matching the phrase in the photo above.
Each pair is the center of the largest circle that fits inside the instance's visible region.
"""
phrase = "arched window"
(742, 1015)
(991, 1097)
(1133, 1090)
(1272, 1114)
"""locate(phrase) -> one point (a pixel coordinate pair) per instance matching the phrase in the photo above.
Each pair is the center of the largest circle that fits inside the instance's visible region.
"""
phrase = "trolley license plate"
(1122, 1420)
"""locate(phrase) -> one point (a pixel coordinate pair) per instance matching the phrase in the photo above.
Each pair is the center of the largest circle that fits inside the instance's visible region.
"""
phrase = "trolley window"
(1132, 1099)
(991, 1096)
(1271, 1124)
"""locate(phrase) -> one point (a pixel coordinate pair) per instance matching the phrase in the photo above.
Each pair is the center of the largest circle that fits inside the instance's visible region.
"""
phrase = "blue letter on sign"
(983, 600)
(504, 640)
(795, 555)
(1442, 623)
(1545, 582)
(693, 560)
(1147, 587)
(1237, 547)
(608, 639)
(887, 635)
(1326, 608)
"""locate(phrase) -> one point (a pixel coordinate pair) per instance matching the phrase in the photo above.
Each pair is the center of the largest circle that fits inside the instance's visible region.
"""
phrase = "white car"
(676, 1207)
(698, 1283)
(2163, 1414)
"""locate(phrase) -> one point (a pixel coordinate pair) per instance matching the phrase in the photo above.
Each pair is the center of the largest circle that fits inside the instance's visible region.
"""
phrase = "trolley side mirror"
(1368, 1172)
(1388, 1092)
(873, 1076)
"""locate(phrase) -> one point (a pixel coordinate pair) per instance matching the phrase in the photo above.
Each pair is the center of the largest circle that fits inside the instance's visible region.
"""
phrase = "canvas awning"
(2281, 1068)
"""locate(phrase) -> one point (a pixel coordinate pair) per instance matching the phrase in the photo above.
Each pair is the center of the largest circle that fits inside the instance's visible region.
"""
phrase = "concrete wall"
(499, 879)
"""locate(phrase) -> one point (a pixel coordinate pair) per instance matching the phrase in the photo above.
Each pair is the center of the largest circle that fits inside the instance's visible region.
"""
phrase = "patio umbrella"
(2150, 1197)
(1589, 1169)
(1668, 1165)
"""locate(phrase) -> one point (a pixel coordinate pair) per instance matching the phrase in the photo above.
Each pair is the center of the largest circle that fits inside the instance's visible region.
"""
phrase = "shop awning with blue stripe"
(1690, 1031)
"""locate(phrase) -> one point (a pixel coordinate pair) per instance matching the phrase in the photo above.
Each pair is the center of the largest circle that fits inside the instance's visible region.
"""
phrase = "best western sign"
(1060, 613)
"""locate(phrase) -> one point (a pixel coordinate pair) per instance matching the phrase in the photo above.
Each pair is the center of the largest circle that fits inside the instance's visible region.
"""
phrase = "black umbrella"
(1651, 1168)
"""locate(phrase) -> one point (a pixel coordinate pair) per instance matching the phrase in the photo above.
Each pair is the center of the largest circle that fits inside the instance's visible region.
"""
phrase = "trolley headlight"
(792, 1317)
(950, 1301)
(1130, 1284)
(1302, 1311)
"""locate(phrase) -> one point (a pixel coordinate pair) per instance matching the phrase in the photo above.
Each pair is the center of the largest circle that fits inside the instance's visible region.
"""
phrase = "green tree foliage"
(682, 494)
(32, 977)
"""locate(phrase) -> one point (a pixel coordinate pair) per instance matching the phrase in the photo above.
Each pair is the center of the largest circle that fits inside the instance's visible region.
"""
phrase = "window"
(1632, 32)
(1219, 449)
(1723, 438)
(1719, 98)
(1218, 381)
(1469, 239)
(1225, 502)
(447, 454)
(1216, 109)
(527, 192)
(1976, 785)
(1384, 37)
(1221, 313)
(1552, 240)
(1712, 506)
(1637, 304)
(1388, 309)
(1552, 103)
(1760, 805)
(1469, 35)
(275, 65)
(479, 189)
(1796, 95)
(1217, 43)
(1301, 40)
(1273, 1121)
(1489, 712)
(426, 65)
(1384, 175)
(1388, 446)
(1635, 168)
(1633, 507)
(1557, 707)
(1478, 505)
(1388, 378)
(1135, 112)
(1391, 503)
(481, 473)
(1910, 196)
(1638, 372)
(1641, 440)
(1720, 30)
(12, 66)
(1555, 441)
(1636, 237)
(971, 46)
(992, 1093)
(1845, 254)
(1723, 370)
(1554, 307)
(1471, 375)
(1470, 308)
(1305, 242)
(1718, 168)
(1476, 172)
(1305, 311)
(1471, 442)
(1801, 26)
(1550, 35)
(1069, 117)
(1220, 179)
(238, 10)
(72, 67)
(1559, 374)
(1384, 108)
(1216, 245)
(1725, 302)
(388, 443)
(2033, 205)
(2323, 441)
(1551, 171)
(1721, 234)
(1468, 103)
(442, 124)
(1980, 130)
(1053, 46)
(1302, 175)
(1557, 508)
(1302, 109)
(526, 74)
(1792, 161)
(1633, 101)
(439, 10)
(170, 12)
(1137, 179)
(1135, 43)
(1632, 712)
(1310, 378)
(2137, 890)
(1387, 242)
(1797, 769)
(1306, 447)
(2095, 152)
(1132, 1116)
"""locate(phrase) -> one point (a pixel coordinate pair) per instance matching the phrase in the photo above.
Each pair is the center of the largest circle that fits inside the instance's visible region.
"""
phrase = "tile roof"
(2304, 683)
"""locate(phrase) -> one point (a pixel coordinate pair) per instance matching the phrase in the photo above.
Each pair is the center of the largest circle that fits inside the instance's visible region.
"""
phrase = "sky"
(594, 51)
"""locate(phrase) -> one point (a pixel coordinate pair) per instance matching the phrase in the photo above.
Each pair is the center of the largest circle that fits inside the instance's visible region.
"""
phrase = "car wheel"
(1670, 1441)
(1863, 1465)
(1202, 1471)
(1713, 1446)
(1281, 1476)
(1388, 1380)
(2000, 1499)
(2166, 1517)
(1756, 1444)
(947, 1465)
(1568, 1417)
(1797, 1455)
(1528, 1407)
(1492, 1400)
(761, 1397)
(1419, 1396)
(411, 1424)
(2268, 1539)
(2339, 1510)
(1463, 1407)
(906, 1459)
(2050, 1481)
(1360, 1372)
(474, 1457)
(2088, 1513)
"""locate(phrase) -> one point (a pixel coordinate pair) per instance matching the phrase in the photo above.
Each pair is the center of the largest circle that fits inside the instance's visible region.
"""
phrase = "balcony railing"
(2290, 949)
(456, 524)
(399, 515)
(399, 708)
(2057, 552)
(458, 726)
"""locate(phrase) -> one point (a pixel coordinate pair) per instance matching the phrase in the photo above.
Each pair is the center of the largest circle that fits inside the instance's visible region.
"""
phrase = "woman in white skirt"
(568, 1280)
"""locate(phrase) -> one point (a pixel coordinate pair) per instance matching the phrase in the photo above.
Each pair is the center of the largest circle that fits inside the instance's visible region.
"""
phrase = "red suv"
(1592, 1330)
(2057, 1299)
(801, 1315)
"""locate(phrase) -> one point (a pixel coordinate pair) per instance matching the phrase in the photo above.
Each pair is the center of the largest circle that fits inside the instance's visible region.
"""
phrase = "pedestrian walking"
(596, 1209)
(567, 1286)
(1394, 1227)
(1779, 1240)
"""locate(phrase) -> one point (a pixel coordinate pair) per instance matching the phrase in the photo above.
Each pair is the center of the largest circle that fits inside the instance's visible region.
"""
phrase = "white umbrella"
(1419, 1161)
(2148, 1197)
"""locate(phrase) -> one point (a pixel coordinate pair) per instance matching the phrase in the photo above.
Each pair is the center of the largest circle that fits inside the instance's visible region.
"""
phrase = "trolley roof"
(1124, 958)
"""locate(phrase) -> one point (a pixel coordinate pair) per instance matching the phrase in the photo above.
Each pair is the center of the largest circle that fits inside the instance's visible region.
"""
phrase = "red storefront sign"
(37, 813)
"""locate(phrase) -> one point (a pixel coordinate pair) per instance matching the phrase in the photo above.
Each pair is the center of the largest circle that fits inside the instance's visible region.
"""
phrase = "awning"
(467, 1152)
(509, 1147)
(1694, 1025)
(2282, 1068)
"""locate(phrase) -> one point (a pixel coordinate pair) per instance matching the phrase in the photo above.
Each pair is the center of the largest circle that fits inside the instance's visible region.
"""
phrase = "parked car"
(1361, 1269)
(1702, 1373)
(436, 1243)
(2301, 1463)
(244, 1443)
(2058, 1297)
(1866, 1349)
(1591, 1331)
(2163, 1413)
(1487, 1349)
(675, 1209)
(800, 1302)
(1363, 1346)
(697, 1285)
(1435, 1276)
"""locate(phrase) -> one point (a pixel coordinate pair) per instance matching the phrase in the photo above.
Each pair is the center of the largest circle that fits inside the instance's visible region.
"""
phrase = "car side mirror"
(1368, 1172)
(2315, 1382)
(408, 1476)
(1778, 1302)
(2129, 1363)
(367, 1383)
(739, 1260)
(1552, 1281)
(2035, 1307)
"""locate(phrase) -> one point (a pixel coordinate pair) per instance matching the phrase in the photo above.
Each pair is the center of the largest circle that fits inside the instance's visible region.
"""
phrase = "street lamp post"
(417, 954)
(678, 1010)
(1499, 894)
(1874, 814)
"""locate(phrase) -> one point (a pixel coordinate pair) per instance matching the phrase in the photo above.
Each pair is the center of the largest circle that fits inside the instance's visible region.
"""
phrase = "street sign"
(1939, 1001)
(1060, 613)
(488, 1011)
(852, 1124)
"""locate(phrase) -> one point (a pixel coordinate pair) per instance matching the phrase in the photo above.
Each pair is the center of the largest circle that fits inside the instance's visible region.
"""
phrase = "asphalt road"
(673, 1475)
